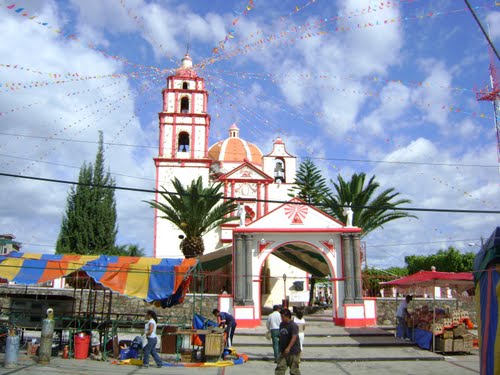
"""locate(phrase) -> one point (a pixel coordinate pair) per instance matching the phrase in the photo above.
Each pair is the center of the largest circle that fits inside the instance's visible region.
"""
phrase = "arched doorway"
(286, 270)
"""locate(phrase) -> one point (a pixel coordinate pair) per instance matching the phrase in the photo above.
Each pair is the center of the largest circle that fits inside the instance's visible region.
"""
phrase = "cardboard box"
(214, 344)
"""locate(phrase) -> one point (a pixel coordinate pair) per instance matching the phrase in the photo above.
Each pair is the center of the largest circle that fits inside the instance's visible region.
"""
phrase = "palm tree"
(195, 210)
(370, 212)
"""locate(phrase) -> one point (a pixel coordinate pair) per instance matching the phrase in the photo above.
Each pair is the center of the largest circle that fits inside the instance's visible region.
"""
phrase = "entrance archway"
(284, 278)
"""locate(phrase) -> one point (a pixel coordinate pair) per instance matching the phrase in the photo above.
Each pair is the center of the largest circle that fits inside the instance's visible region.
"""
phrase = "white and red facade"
(272, 221)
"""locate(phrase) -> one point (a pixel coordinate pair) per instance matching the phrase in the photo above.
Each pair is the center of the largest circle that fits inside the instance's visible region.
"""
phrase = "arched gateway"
(292, 235)
(310, 240)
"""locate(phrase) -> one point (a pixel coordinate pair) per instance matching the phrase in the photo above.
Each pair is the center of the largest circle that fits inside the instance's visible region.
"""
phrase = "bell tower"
(183, 145)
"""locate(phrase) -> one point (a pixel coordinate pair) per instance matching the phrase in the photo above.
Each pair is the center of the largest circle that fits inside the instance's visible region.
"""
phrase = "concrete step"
(330, 341)
(323, 330)
(345, 354)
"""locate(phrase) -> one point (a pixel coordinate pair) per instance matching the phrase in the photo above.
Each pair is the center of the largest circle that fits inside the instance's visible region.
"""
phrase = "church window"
(183, 143)
(185, 85)
(185, 105)
(279, 170)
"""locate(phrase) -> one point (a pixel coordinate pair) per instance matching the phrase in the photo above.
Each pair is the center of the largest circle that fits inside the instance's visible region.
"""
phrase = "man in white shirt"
(401, 315)
(273, 326)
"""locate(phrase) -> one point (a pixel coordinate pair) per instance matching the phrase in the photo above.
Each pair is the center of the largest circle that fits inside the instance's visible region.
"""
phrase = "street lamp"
(476, 244)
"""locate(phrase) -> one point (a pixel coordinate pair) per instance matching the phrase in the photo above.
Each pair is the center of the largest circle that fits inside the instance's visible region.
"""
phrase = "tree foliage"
(195, 210)
(370, 211)
(130, 250)
(89, 223)
(373, 276)
(309, 184)
(450, 260)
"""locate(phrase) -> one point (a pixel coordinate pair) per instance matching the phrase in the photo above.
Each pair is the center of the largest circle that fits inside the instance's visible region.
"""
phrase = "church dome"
(235, 150)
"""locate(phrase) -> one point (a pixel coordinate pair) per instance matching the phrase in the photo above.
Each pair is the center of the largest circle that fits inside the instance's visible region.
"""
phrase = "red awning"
(434, 278)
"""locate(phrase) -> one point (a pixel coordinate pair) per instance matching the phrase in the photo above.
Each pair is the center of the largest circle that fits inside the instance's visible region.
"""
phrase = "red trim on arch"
(329, 246)
(297, 230)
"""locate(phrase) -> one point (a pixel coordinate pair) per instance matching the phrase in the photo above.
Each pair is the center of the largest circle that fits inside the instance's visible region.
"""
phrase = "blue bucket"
(128, 353)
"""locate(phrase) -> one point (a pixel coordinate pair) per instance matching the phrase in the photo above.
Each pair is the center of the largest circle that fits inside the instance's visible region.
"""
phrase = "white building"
(303, 240)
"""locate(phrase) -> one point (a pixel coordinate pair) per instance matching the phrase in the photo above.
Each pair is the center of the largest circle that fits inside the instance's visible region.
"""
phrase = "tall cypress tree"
(89, 223)
(309, 184)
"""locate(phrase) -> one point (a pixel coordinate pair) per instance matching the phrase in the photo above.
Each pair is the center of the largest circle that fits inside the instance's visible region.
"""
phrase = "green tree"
(131, 250)
(369, 212)
(89, 223)
(195, 210)
(450, 260)
(372, 277)
(309, 184)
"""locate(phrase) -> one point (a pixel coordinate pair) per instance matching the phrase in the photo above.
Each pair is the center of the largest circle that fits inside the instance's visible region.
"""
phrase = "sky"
(386, 88)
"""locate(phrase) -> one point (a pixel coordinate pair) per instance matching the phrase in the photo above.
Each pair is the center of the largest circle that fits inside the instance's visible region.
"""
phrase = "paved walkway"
(330, 348)
(468, 364)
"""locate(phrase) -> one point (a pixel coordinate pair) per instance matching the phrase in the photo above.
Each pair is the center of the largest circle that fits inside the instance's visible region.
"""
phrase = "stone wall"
(387, 307)
(72, 302)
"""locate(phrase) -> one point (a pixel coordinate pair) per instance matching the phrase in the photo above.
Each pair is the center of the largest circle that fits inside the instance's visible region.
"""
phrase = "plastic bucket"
(128, 353)
(82, 344)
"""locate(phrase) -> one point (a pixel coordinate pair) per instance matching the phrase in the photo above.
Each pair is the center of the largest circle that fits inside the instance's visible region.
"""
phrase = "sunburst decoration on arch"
(296, 212)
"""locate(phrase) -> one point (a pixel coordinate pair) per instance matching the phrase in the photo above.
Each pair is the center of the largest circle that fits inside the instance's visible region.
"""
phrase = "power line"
(300, 157)
(482, 29)
(302, 203)
(72, 166)
(419, 243)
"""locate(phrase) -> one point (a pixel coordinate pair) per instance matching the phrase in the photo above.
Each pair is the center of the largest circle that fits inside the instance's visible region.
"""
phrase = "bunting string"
(230, 34)
(73, 37)
(139, 21)
(317, 29)
(296, 10)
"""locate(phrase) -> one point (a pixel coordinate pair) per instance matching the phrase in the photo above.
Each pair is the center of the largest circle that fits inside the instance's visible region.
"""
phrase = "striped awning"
(151, 279)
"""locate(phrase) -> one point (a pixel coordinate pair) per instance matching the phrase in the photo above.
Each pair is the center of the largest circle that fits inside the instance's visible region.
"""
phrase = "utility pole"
(493, 95)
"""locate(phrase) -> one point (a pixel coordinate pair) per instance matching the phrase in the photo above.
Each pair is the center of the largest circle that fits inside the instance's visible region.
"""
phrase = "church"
(279, 242)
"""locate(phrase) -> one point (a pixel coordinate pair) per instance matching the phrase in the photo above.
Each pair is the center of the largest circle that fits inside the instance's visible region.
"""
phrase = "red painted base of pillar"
(244, 323)
(245, 317)
(355, 323)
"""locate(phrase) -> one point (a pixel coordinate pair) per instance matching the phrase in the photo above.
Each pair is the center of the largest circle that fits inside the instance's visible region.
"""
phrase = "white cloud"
(73, 110)
(433, 97)
(493, 22)
(394, 100)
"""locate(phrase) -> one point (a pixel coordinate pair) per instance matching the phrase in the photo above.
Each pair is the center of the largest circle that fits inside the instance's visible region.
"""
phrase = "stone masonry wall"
(387, 307)
(122, 307)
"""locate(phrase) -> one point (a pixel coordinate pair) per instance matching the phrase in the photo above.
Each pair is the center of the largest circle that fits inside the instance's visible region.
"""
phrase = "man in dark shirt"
(227, 321)
(289, 345)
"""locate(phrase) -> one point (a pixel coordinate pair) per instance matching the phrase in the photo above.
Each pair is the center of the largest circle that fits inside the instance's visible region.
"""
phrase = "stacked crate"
(456, 339)
(462, 339)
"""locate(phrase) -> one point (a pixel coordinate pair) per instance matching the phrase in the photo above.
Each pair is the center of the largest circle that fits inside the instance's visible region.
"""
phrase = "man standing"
(227, 321)
(401, 315)
(273, 326)
(289, 345)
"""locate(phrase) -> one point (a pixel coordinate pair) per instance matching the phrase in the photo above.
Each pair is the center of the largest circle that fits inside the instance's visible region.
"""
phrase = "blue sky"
(381, 87)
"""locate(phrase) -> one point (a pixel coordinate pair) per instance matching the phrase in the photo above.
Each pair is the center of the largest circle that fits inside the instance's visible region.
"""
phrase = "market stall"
(487, 278)
(442, 330)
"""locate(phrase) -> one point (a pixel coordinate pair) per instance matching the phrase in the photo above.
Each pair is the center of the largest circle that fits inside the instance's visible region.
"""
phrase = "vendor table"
(181, 333)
